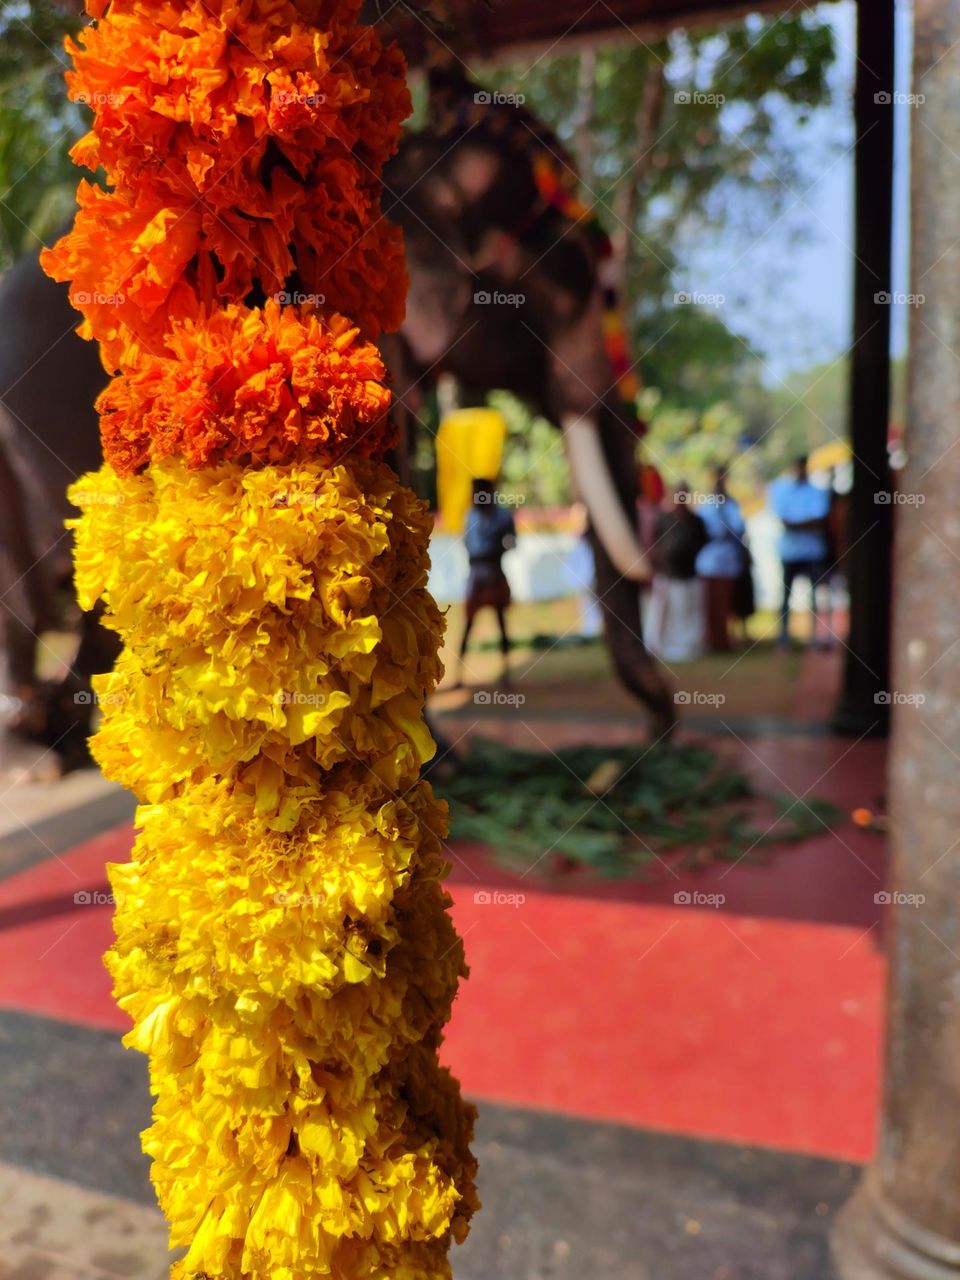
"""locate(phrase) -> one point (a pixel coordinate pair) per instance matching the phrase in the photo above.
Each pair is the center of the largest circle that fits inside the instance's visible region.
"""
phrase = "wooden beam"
(512, 27)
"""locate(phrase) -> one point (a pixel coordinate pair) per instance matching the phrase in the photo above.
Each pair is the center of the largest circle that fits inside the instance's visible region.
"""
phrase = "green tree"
(37, 125)
(682, 137)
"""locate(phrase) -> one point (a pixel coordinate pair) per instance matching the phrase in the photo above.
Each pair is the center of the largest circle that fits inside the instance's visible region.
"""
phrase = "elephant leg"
(22, 584)
(98, 650)
(48, 734)
(25, 751)
(19, 649)
(71, 703)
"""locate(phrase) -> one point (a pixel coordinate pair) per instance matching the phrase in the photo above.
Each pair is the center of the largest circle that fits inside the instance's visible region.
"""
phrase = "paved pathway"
(55, 1230)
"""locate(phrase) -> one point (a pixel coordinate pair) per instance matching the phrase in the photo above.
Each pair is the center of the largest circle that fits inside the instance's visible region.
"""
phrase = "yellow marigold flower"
(263, 611)
(289, 983)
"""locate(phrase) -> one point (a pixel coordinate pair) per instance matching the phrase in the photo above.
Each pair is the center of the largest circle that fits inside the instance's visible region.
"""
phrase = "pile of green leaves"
(618, 811)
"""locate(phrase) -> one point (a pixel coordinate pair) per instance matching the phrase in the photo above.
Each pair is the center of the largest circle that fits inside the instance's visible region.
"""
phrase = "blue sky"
(789, 295)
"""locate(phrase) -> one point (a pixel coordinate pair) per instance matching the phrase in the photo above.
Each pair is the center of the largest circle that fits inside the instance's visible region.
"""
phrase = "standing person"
(675, 624)
(721, 561)
(490, 532)
(803, 509)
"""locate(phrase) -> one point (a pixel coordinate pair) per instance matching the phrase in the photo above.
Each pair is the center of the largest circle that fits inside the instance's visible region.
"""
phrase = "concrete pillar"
(903, 1222)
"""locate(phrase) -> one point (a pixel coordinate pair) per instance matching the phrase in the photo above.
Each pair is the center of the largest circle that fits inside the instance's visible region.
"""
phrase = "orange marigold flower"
(131, 270)
(256, 141)
(135, 268)
(250, 386)
(190, 96)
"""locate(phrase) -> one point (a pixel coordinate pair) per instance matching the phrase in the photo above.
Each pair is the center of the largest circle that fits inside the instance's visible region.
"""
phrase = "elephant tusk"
(591, 475)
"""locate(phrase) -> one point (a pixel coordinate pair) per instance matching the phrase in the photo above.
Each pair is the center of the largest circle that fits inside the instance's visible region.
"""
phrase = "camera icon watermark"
(96, 498)
(884, 298)
(894, 698)
(696, 298)
(94, 298)
(894, 98)
(87, 698)
(498, 898)
(282, 899)
(100, 99)
(701, 499)
(496, 98)
(484, 298)
(897, 498)
(295, 499)
(694, 898)
(894, 898)
(697, 698)
(695, 98)
(497, 499)
(286, 298)
(498, 698)
(290, 98)
(294, 698)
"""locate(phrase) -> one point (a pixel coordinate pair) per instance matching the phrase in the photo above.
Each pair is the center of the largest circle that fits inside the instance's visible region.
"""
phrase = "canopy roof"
(506, 24)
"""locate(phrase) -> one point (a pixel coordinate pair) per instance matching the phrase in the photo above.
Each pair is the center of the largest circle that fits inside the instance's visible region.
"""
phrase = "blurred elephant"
(49, 379)
(506, 292)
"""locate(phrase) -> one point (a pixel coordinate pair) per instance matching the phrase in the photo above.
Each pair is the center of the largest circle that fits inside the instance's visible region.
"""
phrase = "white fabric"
(675, 627)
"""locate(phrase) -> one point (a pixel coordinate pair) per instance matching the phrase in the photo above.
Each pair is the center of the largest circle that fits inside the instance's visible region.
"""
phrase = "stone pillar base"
(873, 1240)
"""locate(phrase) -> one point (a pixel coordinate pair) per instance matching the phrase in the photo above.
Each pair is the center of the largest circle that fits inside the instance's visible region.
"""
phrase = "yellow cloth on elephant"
(469, 447)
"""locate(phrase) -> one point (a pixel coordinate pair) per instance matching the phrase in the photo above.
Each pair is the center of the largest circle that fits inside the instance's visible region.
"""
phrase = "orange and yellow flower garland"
(282, 938)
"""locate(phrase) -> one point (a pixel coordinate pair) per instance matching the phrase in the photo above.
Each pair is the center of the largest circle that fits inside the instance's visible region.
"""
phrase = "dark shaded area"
(566, 1199)
(72, 1104)
(502, 24)
(563, 1199)
(620, 811)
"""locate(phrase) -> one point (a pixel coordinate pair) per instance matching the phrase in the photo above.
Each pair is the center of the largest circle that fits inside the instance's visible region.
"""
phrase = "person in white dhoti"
(675, 624)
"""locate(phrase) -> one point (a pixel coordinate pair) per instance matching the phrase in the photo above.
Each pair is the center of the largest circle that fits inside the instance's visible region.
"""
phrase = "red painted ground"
(709, 1023)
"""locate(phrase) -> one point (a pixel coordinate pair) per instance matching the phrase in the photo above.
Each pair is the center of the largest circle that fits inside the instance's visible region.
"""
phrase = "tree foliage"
(38, 125)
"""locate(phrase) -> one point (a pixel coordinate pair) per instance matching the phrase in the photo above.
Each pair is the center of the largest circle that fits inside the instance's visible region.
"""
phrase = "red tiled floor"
(722, 1026)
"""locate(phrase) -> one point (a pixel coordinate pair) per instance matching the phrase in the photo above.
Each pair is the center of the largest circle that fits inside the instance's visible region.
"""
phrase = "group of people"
(703, 581)
(702, 593)
(703, 573)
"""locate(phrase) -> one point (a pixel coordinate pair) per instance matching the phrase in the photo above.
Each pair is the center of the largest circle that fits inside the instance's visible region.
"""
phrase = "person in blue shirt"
(489, 533)
(722, 560)
(803, 509)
